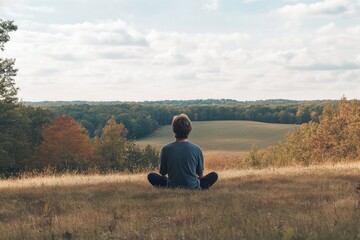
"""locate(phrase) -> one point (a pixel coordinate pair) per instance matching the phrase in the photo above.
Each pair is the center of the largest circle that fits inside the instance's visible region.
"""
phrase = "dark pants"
(161, 181)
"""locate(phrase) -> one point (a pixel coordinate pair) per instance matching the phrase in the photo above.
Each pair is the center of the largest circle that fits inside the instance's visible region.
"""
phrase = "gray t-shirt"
(183, 162)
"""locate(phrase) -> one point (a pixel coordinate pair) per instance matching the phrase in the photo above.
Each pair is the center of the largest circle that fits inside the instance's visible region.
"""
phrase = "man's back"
(183, 162)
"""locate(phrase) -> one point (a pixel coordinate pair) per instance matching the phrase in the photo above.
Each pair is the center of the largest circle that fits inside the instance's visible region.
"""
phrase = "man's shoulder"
(193, 145)
(174, 145)
(178, 144)
(169, 145)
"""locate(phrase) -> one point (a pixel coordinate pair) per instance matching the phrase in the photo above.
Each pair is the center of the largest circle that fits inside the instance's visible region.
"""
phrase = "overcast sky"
(184, 49)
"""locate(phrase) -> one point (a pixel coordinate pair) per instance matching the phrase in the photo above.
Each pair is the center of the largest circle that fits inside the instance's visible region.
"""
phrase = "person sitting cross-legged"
(182, 162)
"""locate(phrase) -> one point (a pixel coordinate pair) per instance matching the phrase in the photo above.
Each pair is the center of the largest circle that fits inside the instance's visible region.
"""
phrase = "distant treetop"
(181, 102)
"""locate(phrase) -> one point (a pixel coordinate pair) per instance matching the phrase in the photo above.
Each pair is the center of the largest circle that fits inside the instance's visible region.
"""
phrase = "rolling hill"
(224, 135)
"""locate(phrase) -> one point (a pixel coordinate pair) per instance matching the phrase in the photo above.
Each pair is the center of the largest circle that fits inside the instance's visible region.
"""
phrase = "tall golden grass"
(317, 202)
(223, 160)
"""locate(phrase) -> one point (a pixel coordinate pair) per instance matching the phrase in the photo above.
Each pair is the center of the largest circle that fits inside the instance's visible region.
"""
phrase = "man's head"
(181, 126)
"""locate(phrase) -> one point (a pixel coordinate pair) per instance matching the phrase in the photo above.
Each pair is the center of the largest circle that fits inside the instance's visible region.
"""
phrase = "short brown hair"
(181, 126)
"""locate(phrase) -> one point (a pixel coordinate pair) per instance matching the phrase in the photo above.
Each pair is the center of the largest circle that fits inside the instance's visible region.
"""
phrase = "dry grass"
(287, 203)
(222, 160)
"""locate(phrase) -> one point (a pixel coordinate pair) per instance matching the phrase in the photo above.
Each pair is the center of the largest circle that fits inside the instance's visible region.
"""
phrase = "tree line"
(79, 137)
(143, 119)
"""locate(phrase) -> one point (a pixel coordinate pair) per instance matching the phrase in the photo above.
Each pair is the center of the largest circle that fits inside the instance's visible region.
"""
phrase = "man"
(182, 161)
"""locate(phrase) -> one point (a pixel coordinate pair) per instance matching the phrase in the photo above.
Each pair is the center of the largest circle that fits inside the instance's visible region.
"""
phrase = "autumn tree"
(111, 145)
(338, 135)
(151, 156)
(299, 147)
(65, 145)
(120, 153)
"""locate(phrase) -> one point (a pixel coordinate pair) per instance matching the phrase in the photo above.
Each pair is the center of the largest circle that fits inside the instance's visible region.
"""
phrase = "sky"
(137, 50)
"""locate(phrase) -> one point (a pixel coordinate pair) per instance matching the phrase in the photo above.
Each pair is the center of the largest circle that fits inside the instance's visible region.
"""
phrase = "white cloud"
(114, 60)
(287, 57)
(239, 55)
(16, 10)
(40, 9)
(327, 28)
(171, 57)
(249, 1)
(212, 5)
(354, 30)
(63, 55)
(106, 33)
(326, 7)
(358, 59)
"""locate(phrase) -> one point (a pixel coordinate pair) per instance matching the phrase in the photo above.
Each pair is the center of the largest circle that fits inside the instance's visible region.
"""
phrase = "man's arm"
(163, 166)
(200, 165)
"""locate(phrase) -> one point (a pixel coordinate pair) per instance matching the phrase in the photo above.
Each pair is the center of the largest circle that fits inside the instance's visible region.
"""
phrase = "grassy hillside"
(250, 204)
(224, 135)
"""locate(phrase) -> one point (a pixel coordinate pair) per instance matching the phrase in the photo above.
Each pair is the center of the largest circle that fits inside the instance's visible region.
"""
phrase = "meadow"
(294, 202)
(317, 202)
(229, 136)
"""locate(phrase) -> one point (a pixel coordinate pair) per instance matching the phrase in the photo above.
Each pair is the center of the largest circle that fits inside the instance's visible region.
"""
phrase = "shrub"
(114, 151)
(335, 138)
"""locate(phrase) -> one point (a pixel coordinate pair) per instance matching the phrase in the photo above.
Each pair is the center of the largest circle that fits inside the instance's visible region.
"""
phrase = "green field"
(224, 135)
